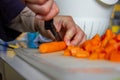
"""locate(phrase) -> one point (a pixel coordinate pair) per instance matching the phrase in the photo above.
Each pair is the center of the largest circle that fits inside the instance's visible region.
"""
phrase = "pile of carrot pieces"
(106, 47)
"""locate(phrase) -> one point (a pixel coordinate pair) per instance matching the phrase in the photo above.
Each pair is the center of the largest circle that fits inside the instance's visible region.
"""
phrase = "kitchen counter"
(32, 65)
(21, 67)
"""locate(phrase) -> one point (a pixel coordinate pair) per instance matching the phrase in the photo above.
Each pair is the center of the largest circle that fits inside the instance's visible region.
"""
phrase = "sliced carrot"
(115, 56)
(87, 45)
(70, 47)
(52, 47)
(75, 50)
(118, 37)
(109, 48)
(93, 56)
(82, 54)
(101, 56)
(106, 37)
(67, 52)
(96, 40)
(104, 42)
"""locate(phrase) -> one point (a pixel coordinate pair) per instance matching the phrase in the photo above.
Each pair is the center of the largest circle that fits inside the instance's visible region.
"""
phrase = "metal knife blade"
(50, 26)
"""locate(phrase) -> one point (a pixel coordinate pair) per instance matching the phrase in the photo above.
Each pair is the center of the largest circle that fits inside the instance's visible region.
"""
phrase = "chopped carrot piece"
(118, 37)
(93, 56)
(96, 40)
(70, 47)
(67, 52)
(115, 56)
(101, 56)
(75, 50)
(82, 54)
(109, 48)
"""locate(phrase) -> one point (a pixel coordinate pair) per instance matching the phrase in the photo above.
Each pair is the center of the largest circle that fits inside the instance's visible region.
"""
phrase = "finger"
(83, 40)
(79, 38)
(58, 20)
(41, 9)
(69, 35)
(36, 1)
(53, 12)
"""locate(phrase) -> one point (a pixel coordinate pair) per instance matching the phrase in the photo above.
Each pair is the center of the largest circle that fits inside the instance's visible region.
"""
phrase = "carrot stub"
(52, 46)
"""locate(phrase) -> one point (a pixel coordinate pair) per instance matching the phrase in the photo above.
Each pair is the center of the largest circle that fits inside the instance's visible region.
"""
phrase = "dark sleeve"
(9, 9)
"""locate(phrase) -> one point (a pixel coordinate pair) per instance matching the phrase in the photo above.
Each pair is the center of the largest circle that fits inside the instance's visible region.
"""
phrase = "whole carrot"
(52, 46)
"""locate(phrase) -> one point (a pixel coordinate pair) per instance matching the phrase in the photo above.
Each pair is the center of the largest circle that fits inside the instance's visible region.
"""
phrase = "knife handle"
(50, 26)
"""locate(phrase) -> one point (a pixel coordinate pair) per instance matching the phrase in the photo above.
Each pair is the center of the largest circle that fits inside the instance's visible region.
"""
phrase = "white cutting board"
(61, 67)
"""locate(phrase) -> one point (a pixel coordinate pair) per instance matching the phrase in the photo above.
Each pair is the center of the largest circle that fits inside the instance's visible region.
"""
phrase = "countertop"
(21, 67)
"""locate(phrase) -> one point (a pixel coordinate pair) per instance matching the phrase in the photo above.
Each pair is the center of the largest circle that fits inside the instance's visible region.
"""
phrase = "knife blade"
(50, 26)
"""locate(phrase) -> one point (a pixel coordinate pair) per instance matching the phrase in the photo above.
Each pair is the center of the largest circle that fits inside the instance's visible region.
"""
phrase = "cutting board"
(60, 67)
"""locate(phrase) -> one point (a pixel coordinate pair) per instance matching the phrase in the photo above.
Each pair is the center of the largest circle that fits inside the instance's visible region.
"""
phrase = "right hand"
(71, 33)
(44, 9)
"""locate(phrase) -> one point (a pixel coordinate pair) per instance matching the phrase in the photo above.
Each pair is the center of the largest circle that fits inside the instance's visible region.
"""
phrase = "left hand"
(44, 9)
(72, 33)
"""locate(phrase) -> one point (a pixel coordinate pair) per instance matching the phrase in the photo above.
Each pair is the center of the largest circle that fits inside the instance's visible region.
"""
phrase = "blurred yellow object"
(117, 7)
(11, 53)
(115, 28)
(13, 46)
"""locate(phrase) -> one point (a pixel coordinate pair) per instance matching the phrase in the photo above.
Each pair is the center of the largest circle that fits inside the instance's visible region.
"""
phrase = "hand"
(71, 32)
(44, 9)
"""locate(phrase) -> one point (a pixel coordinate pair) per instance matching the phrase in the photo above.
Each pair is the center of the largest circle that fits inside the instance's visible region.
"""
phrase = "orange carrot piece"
(107, 36)
(118, 37)
(87, 45)
(52, 47)
(93, 56)
(101, 56)
(70, 47)
(82, 54)
(104, 42)
(109, 48)
(75, 50)
(95, 40)
(115, 56)
(67, 52)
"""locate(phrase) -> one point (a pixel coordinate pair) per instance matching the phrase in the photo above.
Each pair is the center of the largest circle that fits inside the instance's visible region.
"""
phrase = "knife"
(50, 26)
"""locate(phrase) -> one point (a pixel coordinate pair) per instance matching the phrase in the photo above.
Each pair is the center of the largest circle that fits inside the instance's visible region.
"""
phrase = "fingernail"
(67, 42)
(38, 17)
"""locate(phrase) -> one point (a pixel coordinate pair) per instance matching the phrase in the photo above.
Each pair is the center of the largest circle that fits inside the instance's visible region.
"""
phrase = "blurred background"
(115, 18)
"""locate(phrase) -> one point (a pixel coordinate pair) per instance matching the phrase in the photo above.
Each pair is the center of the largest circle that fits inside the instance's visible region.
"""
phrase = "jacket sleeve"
(9, 9)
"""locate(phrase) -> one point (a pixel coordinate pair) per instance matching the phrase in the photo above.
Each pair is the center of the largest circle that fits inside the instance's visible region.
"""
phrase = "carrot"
(115, 56)
(96, 39)
(67, 52)
(52, 47)
(101, 56)
(93, 56)
(75, 50)
(118, 37)
(82, 54)
(107, 36)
